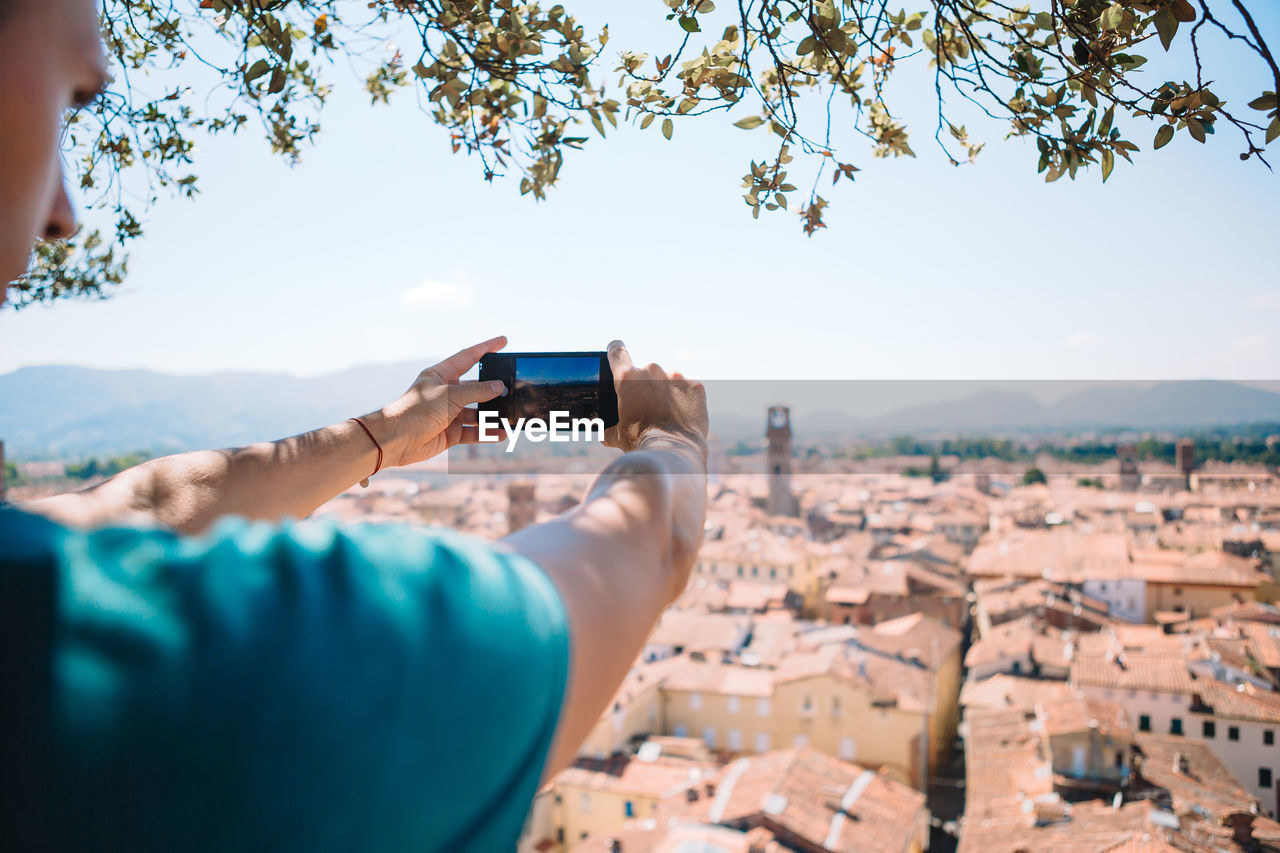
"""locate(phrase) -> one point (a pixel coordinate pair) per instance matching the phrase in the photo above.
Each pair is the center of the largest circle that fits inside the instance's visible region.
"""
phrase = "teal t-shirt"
(279, 688)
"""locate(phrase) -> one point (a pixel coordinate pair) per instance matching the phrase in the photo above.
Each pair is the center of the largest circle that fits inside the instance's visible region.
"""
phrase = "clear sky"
(382, 246)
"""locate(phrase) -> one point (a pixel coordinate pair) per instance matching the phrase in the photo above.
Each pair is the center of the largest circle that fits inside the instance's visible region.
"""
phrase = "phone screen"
(578, 383)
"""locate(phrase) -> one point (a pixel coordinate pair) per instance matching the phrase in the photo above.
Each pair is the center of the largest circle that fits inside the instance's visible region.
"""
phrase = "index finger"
(619, 358)
(452, 368)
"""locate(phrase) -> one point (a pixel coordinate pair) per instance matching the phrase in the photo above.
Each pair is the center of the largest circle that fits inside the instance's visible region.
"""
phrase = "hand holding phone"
(650, 399)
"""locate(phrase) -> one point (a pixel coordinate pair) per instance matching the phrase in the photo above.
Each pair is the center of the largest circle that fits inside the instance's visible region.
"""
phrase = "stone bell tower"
(778, 431)
(1130, 475)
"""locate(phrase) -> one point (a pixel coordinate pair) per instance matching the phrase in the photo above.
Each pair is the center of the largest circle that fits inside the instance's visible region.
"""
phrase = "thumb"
(465, 393)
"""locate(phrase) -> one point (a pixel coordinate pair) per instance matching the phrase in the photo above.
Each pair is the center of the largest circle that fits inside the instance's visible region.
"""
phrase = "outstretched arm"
(625, 553)
(293, 476)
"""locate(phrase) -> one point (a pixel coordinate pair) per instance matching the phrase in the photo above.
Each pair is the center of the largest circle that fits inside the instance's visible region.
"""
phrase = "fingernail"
(497, 387)
(615, 344)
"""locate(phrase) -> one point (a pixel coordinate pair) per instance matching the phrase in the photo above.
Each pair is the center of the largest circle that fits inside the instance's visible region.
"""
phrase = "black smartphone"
(539, 383)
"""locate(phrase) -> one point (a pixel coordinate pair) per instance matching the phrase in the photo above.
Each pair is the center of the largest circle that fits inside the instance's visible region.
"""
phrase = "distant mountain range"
(76, 411)
(1195, 403)
(1182, 405)
(59, 411)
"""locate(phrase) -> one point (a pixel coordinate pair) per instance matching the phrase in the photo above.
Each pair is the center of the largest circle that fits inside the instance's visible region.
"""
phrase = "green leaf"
(1107, 118)
(667, 127)
(257, 70)
(1111, 17)
(749, 123)
(690, 25)
(1163, 135)
(1196, 129)
(1266, 102)
(1184, 11)
(1273, 130)
(277, 80)
(1166, 26)
(1108, 163)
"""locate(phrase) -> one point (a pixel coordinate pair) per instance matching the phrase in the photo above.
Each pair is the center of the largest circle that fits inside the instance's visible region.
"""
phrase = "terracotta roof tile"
(1191, 773)
(664, 776)
(1133, 671)
(1004, 692)
(831, 804)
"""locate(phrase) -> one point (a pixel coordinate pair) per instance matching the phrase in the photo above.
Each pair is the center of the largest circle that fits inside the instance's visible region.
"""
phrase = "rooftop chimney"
(1241, 824)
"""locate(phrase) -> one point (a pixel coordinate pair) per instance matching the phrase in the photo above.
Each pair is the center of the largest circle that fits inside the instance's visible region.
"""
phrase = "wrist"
(686, 441)
(384, 433)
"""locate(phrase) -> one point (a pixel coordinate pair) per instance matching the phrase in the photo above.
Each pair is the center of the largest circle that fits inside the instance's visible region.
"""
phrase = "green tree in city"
(521, 85)
(109, 467)
(1032, 476)
(12, 476)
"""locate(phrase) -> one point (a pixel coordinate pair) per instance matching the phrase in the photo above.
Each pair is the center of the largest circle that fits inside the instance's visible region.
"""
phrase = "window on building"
(848, 749)
(695, 701)
(584, 803)
(755, 571)
(709, 735)
(559, 835)
(682, 731)
(835, 706)
(773, 574)
(1175, 726)
(1233, 733)
(628, 809)
(791, 572)
(1264, 777)
(739, 571)
(1210, 729)
(763, 742)
(735, 740)
(800, 741)
(1144, 723)
(733, 703)
(1268, 737)
(806, 704)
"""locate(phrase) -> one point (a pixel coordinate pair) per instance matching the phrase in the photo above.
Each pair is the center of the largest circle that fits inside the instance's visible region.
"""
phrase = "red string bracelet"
(376, 468)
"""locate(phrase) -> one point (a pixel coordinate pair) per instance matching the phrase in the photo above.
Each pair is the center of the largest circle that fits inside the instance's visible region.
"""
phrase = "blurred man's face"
(51, 59)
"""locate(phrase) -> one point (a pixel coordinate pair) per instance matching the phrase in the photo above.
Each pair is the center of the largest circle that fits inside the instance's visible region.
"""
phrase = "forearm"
(267, 481)
(618, 559)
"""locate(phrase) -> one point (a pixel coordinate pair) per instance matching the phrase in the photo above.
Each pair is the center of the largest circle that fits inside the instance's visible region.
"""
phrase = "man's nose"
(62, 218)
